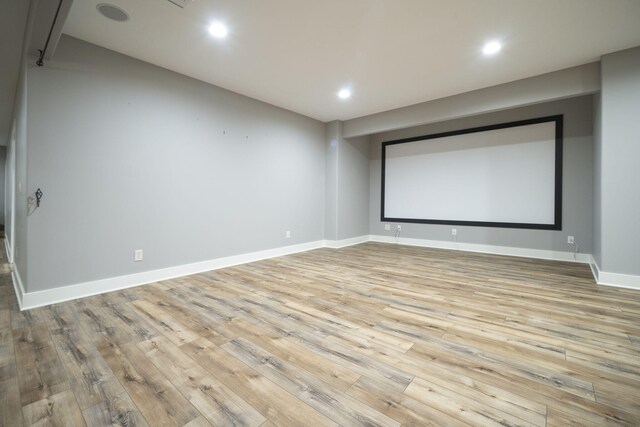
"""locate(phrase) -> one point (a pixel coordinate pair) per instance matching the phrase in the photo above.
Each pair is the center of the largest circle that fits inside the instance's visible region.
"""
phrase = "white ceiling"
(297, 54)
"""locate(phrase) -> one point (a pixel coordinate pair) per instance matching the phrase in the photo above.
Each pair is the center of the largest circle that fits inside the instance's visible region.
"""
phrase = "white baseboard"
(594, 269)
(601, 277)
(7, 246)
(18, 287)
(487, 249)
(337, 244)
(28, 300)
(35, 299)
(618, 280)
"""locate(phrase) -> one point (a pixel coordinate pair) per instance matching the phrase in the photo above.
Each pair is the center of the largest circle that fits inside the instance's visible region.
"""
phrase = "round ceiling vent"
(112, 12)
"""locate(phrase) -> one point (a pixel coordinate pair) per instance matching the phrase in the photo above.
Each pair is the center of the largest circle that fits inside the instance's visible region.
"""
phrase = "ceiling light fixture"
(218, 30)
(491, 48)
(344, 93)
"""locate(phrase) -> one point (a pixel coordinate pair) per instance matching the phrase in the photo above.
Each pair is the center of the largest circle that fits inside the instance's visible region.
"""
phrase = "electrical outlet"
(137, 255)
(454, 232)
(387, 227)
(399, 227)
(287, 234)
(571, 240)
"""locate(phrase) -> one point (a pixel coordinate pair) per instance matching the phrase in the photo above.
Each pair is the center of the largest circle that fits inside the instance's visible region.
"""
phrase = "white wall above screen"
(503, 175)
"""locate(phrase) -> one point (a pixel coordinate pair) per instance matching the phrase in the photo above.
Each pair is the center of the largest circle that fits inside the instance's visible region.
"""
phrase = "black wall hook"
(39, 195)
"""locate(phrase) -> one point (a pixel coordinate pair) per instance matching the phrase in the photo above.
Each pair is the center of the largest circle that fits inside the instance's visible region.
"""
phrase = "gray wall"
(347, 184)
(131, 156)
(333, 138)
(13, 19)
(3, 162)
(353, 188)
(577, 218)
(19, 239)
(10, 167)
(597, 179)
(619, 204)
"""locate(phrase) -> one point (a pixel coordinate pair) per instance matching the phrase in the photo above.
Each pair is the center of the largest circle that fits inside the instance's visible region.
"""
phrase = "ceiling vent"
(112, 12)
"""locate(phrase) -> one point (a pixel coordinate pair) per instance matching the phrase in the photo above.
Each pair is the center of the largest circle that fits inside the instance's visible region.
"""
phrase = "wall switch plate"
(137, 255)
(387, 227)
(454, 232)
(287, 234)
(571, 240)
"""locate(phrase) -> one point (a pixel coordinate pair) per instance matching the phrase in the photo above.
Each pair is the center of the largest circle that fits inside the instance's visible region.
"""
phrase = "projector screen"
(505, 175)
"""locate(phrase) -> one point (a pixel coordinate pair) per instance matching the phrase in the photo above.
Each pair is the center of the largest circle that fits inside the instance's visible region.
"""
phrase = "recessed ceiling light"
(491, 47)
(112, 12)
(218, 30)
(344, 93)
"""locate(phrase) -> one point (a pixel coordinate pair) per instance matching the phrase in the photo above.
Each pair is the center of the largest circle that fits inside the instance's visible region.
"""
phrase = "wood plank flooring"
(369, 335)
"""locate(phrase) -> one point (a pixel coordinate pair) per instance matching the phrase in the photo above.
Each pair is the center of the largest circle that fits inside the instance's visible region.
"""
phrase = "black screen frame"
(557, 224)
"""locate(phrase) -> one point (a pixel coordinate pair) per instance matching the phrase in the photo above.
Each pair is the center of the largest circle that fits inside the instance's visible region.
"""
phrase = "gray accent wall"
(618, 204)
(131, 156)
(347, 189)
(353, 189)
(597, 179)
(3, 173)
(13, 20)
(19, 236)
(577, 218)
(10, 170)
(333, 138)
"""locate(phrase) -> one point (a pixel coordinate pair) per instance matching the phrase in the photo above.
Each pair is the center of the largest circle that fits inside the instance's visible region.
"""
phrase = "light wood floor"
(370, 335)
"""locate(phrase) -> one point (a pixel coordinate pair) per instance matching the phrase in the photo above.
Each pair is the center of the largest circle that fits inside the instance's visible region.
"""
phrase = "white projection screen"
(504, 175)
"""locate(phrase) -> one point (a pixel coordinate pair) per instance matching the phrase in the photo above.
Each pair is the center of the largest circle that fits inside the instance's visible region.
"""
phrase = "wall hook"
(39, 195)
